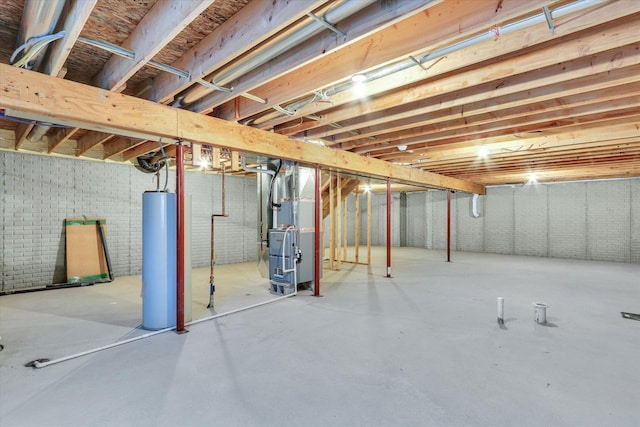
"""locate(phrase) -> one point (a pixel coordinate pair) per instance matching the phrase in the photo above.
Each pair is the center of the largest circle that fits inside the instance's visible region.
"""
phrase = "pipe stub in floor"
(540, 312)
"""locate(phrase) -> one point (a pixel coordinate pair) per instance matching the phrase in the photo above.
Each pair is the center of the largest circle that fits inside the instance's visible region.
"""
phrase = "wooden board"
(86, 261)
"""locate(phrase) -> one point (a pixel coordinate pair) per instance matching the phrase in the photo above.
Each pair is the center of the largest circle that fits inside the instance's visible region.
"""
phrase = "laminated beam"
(38, 97)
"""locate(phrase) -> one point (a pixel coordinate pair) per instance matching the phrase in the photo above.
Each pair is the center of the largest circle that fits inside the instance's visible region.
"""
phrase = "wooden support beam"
(235, 161)
(215, 158)
(90, 140)
(118, 145)
(487, 51)
(50, 99)
(345, 231)
(357, 26)
(158, 27)
(142, 149)
(74, 15)
(448, 22)
(252, 25)
(59, 137)
(21, 133)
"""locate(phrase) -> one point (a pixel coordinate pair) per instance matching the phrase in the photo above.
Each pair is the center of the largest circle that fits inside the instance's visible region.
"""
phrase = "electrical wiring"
(32, 47)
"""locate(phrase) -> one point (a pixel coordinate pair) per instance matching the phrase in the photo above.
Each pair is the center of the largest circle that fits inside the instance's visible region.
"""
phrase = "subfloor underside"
(420, 349)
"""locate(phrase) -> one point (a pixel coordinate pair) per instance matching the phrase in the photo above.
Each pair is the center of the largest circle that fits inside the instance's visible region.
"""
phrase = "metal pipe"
(488, 35)
(312, 28)
(388, 227)
(37, 364)
(448, 225)
(317, 268)
(244, 166)
(180, 238)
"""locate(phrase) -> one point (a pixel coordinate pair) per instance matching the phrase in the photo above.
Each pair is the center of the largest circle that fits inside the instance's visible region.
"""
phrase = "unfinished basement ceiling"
(489, 91)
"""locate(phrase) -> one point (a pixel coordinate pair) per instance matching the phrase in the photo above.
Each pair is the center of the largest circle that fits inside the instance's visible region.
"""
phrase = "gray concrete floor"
(422, 348)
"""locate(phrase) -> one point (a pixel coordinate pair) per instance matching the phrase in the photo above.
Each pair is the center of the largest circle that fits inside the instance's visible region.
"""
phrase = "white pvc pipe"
(474, 206)
(39, 365)
(500, 310)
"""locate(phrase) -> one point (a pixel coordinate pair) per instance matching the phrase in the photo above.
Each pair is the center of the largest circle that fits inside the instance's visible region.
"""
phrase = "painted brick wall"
(608, 220)
(531, 220)
(596, 220)
(38, 192)
(416, 220)
(471, 235)
(635, 220)
(568, 224)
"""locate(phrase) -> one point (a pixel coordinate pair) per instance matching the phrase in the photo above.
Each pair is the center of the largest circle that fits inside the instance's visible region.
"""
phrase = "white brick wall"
(416, 220)
(634, 191)
(568, 224)
(531, 220)
(470, 230)
(597, 220)
(38, 192)
(608, 220)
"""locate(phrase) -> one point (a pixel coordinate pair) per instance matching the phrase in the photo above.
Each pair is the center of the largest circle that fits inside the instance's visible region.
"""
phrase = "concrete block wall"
(594, 220)
(38, 192)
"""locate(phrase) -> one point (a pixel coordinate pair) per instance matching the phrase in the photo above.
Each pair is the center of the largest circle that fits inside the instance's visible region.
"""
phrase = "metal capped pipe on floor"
(158, 260)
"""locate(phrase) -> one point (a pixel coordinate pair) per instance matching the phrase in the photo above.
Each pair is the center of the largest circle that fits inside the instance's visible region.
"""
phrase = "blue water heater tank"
(158, 260)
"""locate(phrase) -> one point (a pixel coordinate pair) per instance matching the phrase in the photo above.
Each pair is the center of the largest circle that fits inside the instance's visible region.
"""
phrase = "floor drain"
(32, 364)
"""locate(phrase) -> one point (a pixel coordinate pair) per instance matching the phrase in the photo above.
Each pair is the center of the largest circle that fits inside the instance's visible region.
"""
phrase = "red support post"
(317, 268)
(388, 227)
(448, 225)
(180, 238)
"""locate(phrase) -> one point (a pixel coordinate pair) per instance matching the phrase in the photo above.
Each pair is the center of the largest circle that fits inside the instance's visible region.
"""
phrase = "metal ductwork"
(313, 27)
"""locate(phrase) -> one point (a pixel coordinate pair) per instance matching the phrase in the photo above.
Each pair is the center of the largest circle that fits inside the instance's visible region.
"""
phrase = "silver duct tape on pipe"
(312, 28)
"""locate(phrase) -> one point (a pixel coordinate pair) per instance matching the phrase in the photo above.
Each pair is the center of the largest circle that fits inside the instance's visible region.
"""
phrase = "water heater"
(158, 260)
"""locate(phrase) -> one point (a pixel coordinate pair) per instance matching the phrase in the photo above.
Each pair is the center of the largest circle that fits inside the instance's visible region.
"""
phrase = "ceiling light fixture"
(483, 153)
(533, 178)
(402, 147)
(204, 163)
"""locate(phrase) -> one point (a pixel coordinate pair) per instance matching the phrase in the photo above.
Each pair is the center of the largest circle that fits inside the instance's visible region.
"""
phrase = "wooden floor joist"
(40, 97)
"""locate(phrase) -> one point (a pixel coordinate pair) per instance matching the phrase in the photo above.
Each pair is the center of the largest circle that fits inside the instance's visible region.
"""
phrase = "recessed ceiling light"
(483, 152)
(402, 147)
(533, 178)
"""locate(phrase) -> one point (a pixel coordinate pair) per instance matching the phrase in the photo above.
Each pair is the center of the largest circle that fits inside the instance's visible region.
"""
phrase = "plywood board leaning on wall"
(86, 254)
